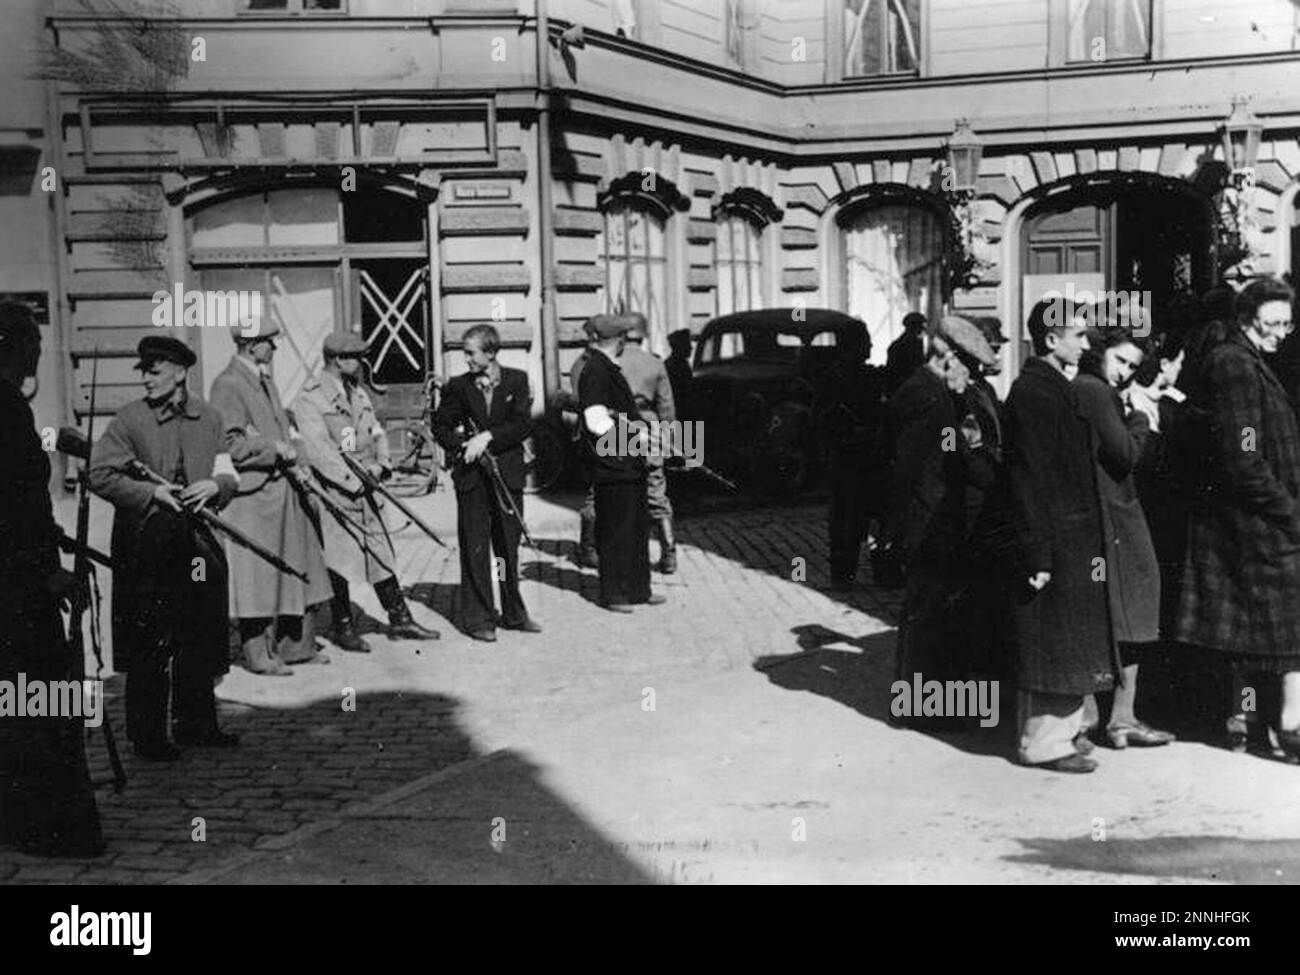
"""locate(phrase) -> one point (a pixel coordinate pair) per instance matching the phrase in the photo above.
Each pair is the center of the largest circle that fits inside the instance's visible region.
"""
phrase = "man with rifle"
(47, 805)
(170, 597)
(485, 415)
(337, 422)
(274, 610)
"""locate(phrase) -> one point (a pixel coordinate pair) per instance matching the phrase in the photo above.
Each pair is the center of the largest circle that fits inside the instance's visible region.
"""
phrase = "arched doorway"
(323, 260)
(1117, 233)
(892, 247)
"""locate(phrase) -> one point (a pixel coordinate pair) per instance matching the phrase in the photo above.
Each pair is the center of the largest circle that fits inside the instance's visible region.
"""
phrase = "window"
(634, 254)
(1105, 30)
(740, 265)
(294, 6)
(881, 37)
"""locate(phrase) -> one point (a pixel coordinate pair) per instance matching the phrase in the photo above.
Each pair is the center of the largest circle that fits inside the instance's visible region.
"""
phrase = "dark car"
(756, 377)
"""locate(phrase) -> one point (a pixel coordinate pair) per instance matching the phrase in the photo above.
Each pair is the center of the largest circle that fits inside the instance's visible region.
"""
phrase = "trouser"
(488, 538)
(622, 541)
(47, 804)
(849, 515)
(656, 491)
(1048, 725)
(194, 705)
(267, 640)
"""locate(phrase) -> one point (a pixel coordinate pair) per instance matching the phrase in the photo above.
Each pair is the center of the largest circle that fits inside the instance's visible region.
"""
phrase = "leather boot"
(586, 555)
(345, 635)
(667, 547)
(401, 624)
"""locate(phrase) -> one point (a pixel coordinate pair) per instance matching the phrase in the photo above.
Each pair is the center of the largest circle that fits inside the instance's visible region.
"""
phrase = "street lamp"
(964, 152)
(1238, 244)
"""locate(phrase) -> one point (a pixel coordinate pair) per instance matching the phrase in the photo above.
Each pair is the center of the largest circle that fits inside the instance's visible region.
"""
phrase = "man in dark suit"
(487, 412)
(614, 436)
(906, 353)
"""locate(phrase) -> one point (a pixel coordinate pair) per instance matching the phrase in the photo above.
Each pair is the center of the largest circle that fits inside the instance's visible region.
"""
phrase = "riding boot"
(401, 624)
(667, 547)
(344, 633)
(587, 556)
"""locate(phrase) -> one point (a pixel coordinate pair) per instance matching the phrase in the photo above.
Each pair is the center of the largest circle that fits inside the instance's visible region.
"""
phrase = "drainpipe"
(546, 208)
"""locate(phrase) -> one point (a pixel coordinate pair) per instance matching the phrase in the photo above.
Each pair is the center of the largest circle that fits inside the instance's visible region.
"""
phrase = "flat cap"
(344, 344)
(966, 337)
(256, 329)
(991, 328)
(155, 347)
(606, 326)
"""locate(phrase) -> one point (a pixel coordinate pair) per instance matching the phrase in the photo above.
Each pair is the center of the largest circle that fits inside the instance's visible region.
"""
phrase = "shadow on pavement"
(861, 679)
(1224, 859)
(297, 765)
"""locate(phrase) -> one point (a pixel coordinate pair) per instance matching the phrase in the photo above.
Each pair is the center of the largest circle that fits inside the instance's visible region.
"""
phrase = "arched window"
(740, 264)
(322, 261)
(893, 254)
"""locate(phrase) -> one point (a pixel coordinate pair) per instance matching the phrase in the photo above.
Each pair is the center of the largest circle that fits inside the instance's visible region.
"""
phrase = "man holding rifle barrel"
(170, 597)
(348, 449)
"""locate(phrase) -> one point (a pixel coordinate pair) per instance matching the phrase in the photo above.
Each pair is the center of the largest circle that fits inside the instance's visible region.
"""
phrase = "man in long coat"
(1061, 626)
(926, 524)
(170, 594)
(648, 379)
(486, 414)
(335, 416)
(47, 804)
(1241, 577)
(273, 610)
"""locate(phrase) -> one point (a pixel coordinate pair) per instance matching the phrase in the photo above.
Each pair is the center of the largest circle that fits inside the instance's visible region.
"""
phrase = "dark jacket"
(926, 488)
(906, 354)
(1061, 634)
(510, 422)
(602, 383)
(1132, 574)
(1241, 575)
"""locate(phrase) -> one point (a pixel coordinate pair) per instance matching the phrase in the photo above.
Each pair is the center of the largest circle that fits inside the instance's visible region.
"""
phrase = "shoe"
(315, 658)
(484, 634)
(212, 739)
(345, 636)
(656, 600)
(617, 607)
(1082, 744)
(1140, 735)
(1289, 741)
(157, 751)
(402, 625)
(527, 626)
(1075, 763)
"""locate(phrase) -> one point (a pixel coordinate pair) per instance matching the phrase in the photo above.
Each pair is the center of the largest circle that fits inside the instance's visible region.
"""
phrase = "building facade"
(409, 168)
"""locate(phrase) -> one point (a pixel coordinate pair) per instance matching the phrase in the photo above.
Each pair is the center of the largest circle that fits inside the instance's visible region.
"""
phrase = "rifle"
(504, 498)
(84, 574)
(373, 485)
(215, 521)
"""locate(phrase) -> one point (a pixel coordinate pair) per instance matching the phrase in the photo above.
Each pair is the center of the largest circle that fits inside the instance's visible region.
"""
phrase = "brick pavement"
(303, 759)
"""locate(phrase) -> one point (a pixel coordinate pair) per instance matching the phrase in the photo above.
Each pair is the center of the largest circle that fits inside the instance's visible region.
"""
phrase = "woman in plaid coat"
(1241, 576)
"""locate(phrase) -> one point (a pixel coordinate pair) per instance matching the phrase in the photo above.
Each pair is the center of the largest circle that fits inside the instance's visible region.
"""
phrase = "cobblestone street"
(661, 747)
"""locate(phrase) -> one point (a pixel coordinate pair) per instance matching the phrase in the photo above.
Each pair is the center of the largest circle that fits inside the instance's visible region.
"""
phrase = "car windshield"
(753, 344)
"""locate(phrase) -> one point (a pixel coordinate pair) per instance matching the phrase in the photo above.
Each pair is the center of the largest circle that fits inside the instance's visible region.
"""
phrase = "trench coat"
(266, 506)
(327, 421)
(157, 602)
(1132, 572)
(1061, 634)
(1241, 574)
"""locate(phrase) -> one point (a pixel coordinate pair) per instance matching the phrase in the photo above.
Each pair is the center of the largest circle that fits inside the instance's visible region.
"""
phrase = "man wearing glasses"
(1241, 574)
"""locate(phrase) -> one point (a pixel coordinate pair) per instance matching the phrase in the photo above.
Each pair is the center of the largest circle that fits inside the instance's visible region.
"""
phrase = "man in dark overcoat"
(169, 597)
(1241, 576)
(47, 804)
(1062, 637)
(487, 411)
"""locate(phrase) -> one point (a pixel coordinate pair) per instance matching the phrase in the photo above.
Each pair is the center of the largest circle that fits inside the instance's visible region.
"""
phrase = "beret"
(344, 344)
(154, 347)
